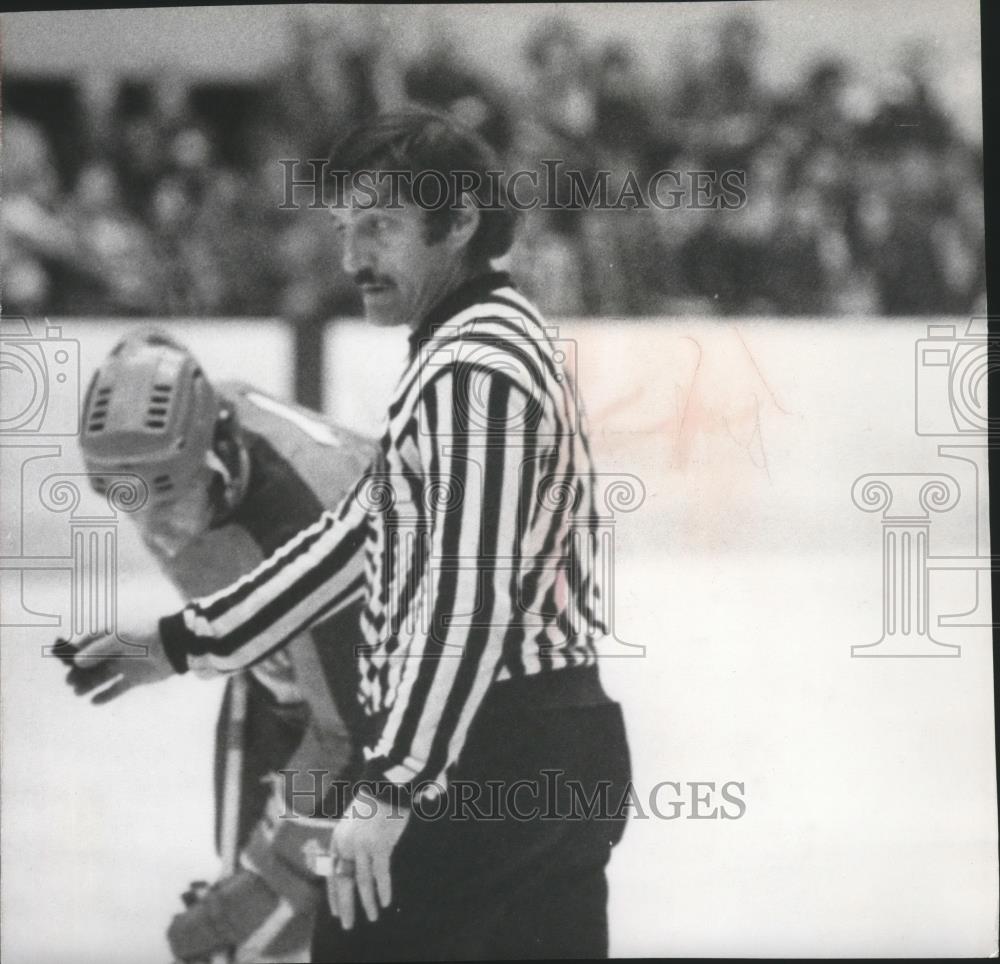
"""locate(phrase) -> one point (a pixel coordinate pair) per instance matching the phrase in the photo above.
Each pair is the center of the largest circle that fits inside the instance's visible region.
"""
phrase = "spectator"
(441, 79)
(859, 199)
(117, 241)
(42, 256)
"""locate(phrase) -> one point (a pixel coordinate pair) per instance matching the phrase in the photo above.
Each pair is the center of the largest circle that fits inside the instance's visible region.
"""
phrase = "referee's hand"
(363, 842)
(103, 667)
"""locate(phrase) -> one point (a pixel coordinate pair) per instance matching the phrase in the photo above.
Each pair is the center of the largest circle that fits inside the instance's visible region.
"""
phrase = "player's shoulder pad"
(327, 456)
(266, 414)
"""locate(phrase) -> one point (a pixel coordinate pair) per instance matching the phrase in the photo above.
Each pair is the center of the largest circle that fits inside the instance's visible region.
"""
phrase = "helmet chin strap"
(234, 484)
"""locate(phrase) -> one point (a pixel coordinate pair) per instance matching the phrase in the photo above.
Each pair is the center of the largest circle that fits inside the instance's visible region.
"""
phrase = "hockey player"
(231, 474)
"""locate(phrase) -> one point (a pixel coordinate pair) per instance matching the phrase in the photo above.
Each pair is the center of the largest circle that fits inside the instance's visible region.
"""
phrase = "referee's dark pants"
(467, 887)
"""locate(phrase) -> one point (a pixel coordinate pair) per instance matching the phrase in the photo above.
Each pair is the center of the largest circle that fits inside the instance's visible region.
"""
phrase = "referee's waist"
(549, 689)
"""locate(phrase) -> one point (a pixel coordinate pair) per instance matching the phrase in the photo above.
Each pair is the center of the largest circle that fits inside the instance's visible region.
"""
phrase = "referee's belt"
(550, 689)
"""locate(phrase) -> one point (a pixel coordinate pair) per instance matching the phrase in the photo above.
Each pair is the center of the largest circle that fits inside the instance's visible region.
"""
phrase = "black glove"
(103, 663)
(229, 912)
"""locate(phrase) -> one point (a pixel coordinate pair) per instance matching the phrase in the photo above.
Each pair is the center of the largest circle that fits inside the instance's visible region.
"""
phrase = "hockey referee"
(490, 796)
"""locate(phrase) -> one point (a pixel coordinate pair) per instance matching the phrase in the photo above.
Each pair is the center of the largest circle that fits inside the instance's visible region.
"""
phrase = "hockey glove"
(265, 910)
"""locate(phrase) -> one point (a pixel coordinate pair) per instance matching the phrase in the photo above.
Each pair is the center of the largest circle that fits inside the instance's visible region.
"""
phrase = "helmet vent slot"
(159, 406)
(99, 410)
(163, 483)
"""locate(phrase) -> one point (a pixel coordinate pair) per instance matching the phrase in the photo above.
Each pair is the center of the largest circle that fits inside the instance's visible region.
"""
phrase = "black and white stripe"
(478, 526)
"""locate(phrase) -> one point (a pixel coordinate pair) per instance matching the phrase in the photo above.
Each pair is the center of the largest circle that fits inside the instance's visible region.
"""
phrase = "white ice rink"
(747, 573)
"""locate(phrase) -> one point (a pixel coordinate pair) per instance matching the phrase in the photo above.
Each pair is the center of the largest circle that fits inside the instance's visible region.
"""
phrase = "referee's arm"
(477, 436)
(311, 576)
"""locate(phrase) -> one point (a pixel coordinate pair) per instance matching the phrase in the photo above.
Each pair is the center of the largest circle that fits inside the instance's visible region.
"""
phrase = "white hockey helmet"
(151, 412)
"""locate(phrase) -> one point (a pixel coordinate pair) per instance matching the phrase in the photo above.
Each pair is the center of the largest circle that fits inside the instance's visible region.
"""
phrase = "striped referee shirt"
(477, 527)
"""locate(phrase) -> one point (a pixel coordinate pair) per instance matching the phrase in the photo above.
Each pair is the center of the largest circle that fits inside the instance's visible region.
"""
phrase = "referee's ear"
(465, 222)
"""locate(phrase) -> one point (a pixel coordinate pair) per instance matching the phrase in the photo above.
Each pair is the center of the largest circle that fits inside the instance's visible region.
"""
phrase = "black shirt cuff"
(173, 636)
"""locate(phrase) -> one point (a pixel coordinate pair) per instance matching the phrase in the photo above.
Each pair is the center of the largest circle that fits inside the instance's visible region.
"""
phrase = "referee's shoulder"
(495, 337)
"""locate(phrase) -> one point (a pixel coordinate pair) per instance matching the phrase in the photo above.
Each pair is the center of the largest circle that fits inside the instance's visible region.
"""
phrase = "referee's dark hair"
(418, 140)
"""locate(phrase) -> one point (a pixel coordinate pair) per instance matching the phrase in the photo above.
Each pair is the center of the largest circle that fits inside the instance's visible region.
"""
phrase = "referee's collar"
(466, 294)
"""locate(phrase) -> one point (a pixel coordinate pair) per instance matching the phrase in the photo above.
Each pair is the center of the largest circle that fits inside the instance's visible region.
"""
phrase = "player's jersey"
(300, 464)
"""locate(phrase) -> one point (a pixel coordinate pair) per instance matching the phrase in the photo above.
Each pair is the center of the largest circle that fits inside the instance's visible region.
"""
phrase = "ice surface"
(869, 784)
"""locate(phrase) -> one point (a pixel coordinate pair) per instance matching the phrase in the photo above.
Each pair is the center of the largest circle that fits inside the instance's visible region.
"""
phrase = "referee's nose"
(356, 255)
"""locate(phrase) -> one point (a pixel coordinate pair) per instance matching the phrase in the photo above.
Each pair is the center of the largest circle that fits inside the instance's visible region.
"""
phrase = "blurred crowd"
(861, 199)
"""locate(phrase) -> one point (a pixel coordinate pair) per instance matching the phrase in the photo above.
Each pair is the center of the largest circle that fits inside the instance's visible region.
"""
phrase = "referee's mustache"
(368, 277)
